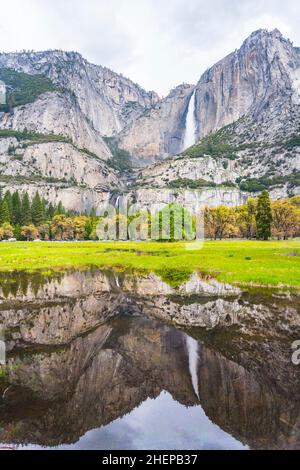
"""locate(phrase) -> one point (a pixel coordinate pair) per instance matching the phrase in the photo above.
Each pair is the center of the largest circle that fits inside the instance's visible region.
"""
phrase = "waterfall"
(190, 124)
(192, 348)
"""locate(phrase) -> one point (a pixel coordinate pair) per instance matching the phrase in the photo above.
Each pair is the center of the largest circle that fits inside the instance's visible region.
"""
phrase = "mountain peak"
(266, 35)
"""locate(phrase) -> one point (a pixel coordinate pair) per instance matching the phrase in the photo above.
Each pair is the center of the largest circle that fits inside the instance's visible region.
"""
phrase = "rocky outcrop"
(107, 99)
(206, 168)
(264, 161)
(59, 114)
(40, 161)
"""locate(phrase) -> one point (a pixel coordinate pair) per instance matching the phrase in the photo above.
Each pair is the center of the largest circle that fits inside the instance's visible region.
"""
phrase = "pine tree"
(44, 209)
(16, 214)
(50, 211)
(93, 213)
(4, 212)
(8, 200)
(1, 202)
(60, 209)
(26, 210)
(37, 212)
(18, 232)
(264, 216)
(88, 228)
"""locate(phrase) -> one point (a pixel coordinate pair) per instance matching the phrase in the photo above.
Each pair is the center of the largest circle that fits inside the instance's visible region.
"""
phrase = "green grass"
(249, 263)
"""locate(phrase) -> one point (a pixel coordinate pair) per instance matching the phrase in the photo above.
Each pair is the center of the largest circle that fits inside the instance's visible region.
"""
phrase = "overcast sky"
(156, 43)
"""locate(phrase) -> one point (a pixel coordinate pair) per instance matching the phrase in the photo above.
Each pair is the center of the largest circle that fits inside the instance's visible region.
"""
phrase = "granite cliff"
(64, 134)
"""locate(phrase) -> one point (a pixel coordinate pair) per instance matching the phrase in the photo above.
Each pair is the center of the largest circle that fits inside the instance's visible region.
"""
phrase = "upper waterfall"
(190, 124)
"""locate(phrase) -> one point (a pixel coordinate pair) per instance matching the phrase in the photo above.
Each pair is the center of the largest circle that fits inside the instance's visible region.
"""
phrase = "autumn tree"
(286, 219)
(62, 227)
(295, 200)
(6, 231)
(30, 232)
(217, 221)
(44, 231)
(246, 218)
(79, 226)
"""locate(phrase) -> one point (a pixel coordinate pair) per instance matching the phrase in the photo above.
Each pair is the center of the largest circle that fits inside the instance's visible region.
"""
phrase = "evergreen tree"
(60, 209)
(37, 211)
(88, 228)
(4, 212)
(8, 200)
(264, 216)
(1, 202)
(26, 210)
(16, 214)
(93, 213)
(44, 209)
(50, 211)
(18, 232)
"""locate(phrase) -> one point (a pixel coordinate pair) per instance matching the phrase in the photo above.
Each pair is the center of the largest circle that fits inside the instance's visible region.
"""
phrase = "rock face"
(159, 132)
(207, 168)
(155, 199)
(254, 92)
(263, 73)
(107, 99)
(41, 160)
(58, 114)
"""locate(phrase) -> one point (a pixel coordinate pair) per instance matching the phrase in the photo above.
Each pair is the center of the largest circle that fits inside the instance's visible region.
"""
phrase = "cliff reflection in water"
(106, 360)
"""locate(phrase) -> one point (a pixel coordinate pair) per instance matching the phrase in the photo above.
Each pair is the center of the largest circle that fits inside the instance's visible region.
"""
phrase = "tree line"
(26, 219)
(259, 218)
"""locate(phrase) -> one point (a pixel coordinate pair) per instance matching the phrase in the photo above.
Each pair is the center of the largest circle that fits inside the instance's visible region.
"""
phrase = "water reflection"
(106, 360)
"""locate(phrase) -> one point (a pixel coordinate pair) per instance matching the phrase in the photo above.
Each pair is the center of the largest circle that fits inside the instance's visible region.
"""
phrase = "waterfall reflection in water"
(95, 362)
(192, 347)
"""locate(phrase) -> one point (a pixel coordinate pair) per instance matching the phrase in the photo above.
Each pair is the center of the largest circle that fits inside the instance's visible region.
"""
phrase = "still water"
(103, 360)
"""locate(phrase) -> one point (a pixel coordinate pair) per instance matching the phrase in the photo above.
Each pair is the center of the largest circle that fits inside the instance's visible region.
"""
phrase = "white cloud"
(157, 44)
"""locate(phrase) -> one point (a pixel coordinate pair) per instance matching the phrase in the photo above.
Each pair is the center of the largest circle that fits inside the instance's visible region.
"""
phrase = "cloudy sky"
(156, 43)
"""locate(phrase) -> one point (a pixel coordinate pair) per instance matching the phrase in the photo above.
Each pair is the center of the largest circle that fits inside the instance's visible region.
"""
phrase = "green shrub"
(191, 184)
(293, 142)
(23, 88)
(33, 136)
(121, 158)
(260, 184)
